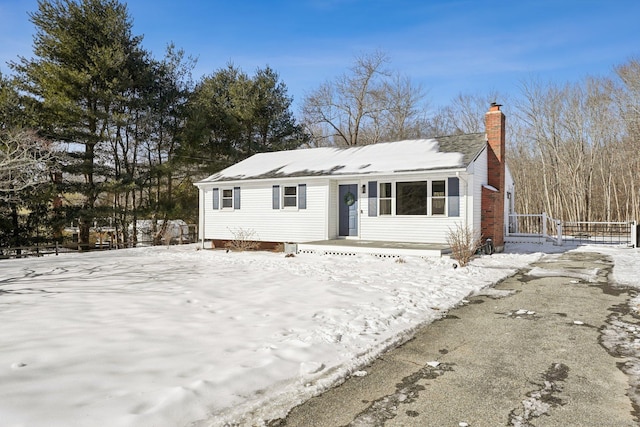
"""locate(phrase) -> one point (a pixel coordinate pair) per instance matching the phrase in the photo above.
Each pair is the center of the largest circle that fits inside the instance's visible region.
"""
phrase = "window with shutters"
(411, 198)
(422, 198)
(290, 196)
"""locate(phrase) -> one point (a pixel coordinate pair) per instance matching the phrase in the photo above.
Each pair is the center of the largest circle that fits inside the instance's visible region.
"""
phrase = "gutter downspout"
(202, 216)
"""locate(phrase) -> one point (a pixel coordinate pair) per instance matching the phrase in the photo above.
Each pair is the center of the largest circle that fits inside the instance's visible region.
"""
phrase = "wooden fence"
(29, 251)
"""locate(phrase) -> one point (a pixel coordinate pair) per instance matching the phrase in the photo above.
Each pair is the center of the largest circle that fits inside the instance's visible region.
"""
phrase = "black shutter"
(373, 198)
(236, 197)
(454, 196)
(276, 197)
(302, 196)
(216, 198)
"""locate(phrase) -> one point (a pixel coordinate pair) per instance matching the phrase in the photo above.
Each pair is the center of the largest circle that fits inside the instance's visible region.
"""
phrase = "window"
(411, 198)
(290, 197)
(437, 197)
(227, 198)
(385, 198)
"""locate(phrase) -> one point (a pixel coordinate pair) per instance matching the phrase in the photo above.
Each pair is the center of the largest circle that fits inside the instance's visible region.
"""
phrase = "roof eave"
(298, 177)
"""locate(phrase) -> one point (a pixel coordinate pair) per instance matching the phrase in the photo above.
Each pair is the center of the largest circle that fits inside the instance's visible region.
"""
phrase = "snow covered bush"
(464, 243)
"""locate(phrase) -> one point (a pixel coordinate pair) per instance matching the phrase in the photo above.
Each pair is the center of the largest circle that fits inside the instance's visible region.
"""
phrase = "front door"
(348, 210)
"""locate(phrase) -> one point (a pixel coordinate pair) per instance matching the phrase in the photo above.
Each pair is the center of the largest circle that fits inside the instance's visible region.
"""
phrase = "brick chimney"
(493, 193)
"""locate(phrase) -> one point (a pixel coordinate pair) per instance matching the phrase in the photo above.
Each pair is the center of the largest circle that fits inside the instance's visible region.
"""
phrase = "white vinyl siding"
(319, 221)
(411, 228)
(268, 224)
(416, 229)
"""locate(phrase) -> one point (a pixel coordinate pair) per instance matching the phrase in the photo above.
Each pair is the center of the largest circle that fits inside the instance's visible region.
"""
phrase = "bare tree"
(369, 104)
(627, 100)
(405, 109)
(24, 162)
(574, 152)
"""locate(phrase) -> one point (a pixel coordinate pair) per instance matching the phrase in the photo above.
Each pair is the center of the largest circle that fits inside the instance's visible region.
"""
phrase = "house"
(412, 191)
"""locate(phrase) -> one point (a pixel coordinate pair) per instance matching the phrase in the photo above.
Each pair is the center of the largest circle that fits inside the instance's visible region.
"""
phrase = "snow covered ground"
(170, 336)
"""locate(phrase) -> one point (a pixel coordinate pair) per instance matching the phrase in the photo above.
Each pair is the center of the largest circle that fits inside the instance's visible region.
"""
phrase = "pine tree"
(233, 116)
(86, 62)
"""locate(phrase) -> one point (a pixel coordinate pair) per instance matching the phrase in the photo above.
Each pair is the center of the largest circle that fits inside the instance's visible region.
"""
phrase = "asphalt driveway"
(528, 353)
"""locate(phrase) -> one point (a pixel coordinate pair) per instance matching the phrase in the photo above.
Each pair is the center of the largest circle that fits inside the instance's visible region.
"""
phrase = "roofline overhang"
(334, 177)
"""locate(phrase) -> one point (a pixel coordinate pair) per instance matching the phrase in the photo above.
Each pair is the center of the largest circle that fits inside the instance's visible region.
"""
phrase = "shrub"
(464, 243)
(243, 240)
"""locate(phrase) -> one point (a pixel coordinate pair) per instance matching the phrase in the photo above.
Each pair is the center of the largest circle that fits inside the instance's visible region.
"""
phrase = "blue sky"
(448, 47)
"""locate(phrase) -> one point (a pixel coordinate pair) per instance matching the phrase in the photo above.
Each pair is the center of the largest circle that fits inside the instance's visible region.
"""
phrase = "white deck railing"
(539, 228)
(522, 228)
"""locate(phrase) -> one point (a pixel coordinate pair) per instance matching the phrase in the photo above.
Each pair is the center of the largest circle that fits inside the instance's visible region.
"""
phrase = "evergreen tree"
(275, 125)
(86, 61)
(172, 87)
(233, 116)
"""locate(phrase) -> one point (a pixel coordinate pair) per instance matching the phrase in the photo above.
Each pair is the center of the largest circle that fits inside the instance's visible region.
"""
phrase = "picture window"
(411, 198)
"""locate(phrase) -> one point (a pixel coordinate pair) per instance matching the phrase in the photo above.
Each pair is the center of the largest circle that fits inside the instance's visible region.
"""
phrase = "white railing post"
(544, 225)
(559, 228)
(634, 234)
(509, 222)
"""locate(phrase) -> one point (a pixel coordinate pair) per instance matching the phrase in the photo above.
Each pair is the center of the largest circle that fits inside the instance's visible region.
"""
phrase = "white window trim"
(223, 198)
(432, 197)
(391, 197)
(283, 197)
(428, 201)
(430, 214)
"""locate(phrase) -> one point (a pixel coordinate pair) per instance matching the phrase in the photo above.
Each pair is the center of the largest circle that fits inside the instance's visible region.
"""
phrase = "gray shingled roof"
(470, 145)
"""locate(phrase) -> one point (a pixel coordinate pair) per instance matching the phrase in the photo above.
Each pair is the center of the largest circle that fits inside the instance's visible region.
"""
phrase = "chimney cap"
(495, 106)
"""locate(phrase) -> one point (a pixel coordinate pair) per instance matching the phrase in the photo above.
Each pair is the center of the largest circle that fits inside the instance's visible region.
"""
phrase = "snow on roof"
(401, 156)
